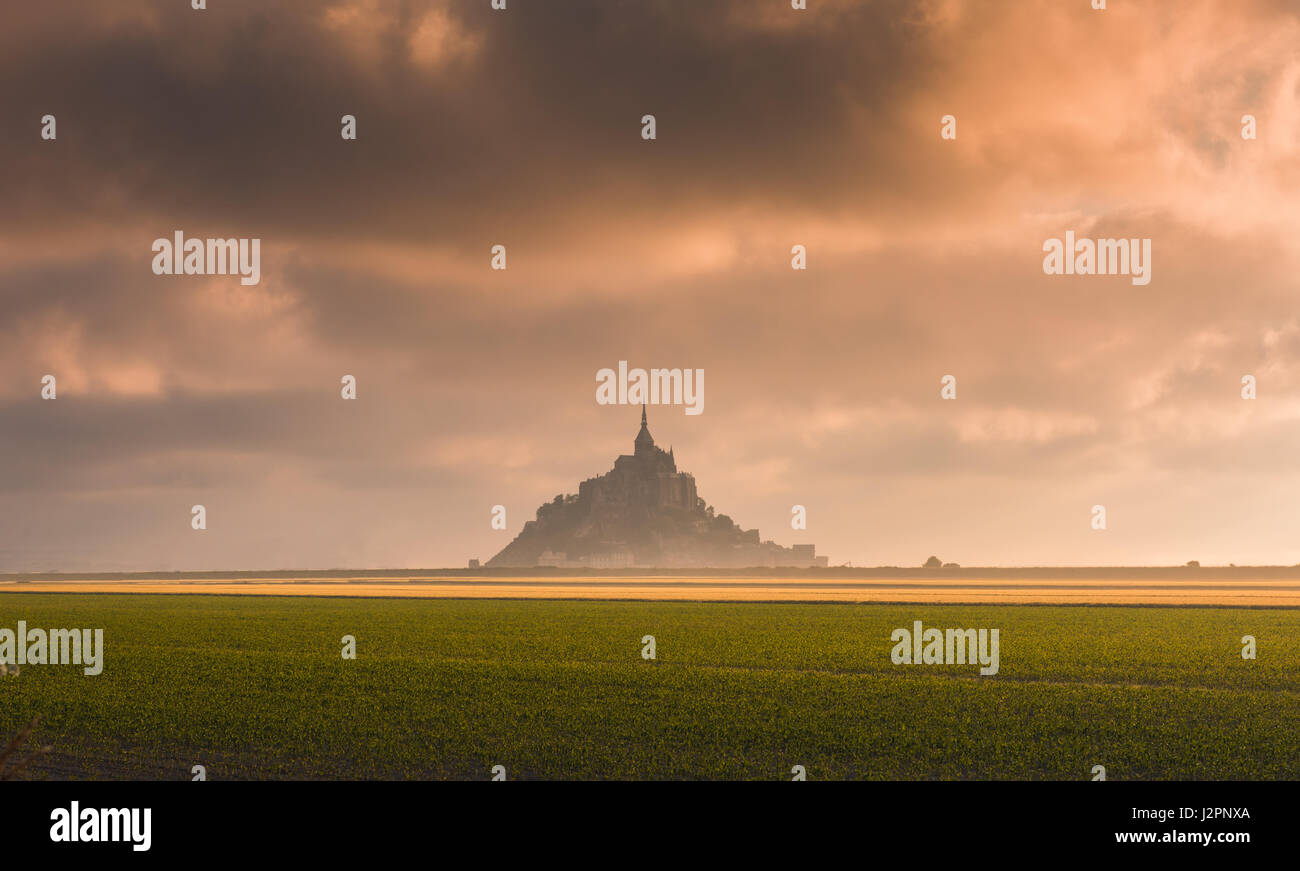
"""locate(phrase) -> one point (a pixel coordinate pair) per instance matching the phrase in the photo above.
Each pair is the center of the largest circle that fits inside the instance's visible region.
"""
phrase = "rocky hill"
(643, 512)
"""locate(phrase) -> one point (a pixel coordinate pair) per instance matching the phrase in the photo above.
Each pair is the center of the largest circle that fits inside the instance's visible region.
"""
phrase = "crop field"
(255, 687)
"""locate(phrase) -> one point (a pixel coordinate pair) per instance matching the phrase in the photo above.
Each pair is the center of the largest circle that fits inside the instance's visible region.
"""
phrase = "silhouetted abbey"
(643, 512)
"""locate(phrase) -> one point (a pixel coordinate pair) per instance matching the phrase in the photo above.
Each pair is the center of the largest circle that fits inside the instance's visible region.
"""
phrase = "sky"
(774, 127)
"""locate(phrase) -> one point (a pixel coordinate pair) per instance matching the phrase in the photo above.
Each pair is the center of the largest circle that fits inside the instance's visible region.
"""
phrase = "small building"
(618, 559)
(550, 559)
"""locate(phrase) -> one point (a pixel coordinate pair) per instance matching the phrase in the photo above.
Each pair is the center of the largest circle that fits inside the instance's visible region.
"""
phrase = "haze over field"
(1209, 590)
(476, 387)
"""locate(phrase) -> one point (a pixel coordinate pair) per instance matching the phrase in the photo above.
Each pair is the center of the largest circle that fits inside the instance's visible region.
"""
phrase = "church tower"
(645, 443)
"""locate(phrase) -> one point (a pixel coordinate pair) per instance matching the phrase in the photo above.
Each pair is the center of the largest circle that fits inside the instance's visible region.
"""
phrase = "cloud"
(521, 128)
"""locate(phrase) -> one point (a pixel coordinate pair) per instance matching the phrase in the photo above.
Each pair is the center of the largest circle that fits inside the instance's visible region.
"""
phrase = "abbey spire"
(644, 441)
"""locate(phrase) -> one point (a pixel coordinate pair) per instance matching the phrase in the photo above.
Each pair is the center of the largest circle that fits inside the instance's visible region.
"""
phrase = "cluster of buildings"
(643, 513)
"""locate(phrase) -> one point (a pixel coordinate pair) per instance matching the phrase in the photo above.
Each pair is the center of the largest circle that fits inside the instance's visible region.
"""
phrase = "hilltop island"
(643, 513)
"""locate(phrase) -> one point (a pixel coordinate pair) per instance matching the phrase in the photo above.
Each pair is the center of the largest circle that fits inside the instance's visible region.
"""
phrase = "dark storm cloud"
(231, 117)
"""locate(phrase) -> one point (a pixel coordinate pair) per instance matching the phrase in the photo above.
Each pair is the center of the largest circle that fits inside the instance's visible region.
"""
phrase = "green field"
(255, 687)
